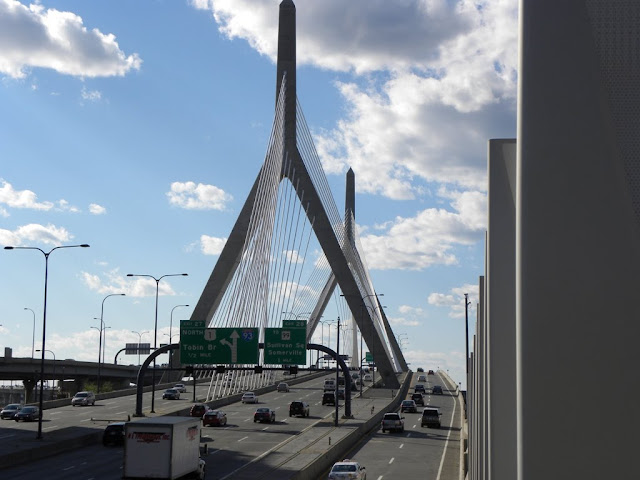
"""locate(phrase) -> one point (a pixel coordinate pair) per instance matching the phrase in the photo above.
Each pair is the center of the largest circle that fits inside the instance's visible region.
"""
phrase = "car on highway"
(249, 397)
(171, 394)
(347, 469)
(113, 434)
(430, 417)
(367, 377)
(28, 414)
(393, 422)
(340, 393)
(198, 410)
(328, 398)
(10, 410)
(299, 408)
(264, 414)
(83, 399)
(419, 388)
(436, 390)
(408, 406)
(181, 387)
(422, 378)
(418, 398)
(420, 369)
(430, 372)
(282, 387)
(214, 418)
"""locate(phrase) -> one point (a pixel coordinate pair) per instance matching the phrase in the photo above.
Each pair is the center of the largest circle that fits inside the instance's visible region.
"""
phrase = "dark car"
(328, 398)
(420, 369)
(28, 414)
(198, 410)
(113, 434)
(264, 415)
(299, 408)
(436, 390)
(430, 372)
(418, 398)
(340, 394)
(10, 410)
(430, 417)
(419, 388)
(171, 394)
(214, 418)
(408, 406)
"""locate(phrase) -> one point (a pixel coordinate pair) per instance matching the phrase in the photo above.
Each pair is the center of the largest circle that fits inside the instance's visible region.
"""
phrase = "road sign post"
(199, 344)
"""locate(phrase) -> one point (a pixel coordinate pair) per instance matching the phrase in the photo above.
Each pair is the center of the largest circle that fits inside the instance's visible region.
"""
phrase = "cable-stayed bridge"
(290, 251)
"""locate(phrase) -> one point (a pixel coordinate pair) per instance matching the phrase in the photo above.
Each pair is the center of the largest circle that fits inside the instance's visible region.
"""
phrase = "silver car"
(83, 399)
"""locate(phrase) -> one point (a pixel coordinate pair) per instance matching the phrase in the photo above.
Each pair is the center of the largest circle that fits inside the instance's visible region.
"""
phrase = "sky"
(139, 127)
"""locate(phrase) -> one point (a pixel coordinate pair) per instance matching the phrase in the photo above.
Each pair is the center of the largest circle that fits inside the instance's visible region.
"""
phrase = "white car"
(180, 387)
(347, 469)
(368, 377)
(249, 397)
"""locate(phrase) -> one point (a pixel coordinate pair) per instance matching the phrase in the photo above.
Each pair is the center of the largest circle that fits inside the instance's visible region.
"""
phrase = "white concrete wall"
(577, 240)
(500, 308)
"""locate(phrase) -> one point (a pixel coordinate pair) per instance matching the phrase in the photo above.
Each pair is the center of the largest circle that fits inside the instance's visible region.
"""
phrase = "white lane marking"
(7, 436)
(444, 451)
(265, 428)
(243, 438)
(55, 413)
(68, 468)
(401, 445)
(380, 477)
(391, 461)
(85, 420)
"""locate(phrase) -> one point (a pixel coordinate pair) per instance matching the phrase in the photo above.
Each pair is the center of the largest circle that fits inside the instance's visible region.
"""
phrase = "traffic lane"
(419, 451)
(88, 463)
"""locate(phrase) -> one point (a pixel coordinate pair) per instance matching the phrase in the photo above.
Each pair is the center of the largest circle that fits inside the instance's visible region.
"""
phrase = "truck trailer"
(164, 448)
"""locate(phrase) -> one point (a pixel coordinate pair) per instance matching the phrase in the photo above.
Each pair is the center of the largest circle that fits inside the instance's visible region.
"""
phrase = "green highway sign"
(199, 344)
(286, 345)
(368, 357)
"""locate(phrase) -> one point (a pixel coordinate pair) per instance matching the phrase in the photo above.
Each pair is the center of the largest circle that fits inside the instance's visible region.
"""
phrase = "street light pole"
(139, 342)
(170, 334)
(101, 330)
(155, 328)
(338, 372)
(33, 335)
(54, 367)
(44, 316)
(466, 318)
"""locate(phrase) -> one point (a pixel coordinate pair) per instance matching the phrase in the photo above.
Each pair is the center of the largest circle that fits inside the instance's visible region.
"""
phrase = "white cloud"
(36, 37)
(401, 321)
(192, 196)
(96, 209)
(454, 300)
(408, 310)
(91, 96)
(35, 233)
(21, 198)
(428, 238)
(212, 245)
(137, 286)
(293, 256)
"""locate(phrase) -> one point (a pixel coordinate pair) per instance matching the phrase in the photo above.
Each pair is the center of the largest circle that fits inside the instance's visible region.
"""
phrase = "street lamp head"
(8, 248)
(85, 245)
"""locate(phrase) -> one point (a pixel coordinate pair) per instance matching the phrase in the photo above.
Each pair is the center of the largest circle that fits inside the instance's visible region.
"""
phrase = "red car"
(198, 410)
(214, 418)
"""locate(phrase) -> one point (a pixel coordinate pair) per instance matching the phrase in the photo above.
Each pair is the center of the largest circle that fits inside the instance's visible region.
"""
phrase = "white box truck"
(165, 448)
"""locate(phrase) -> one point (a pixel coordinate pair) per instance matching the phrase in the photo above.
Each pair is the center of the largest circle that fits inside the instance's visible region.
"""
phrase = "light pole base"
(140, 415)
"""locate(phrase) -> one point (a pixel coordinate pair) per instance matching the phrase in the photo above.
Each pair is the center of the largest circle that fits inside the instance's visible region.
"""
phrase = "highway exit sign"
(219, 346)
(286, 345)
